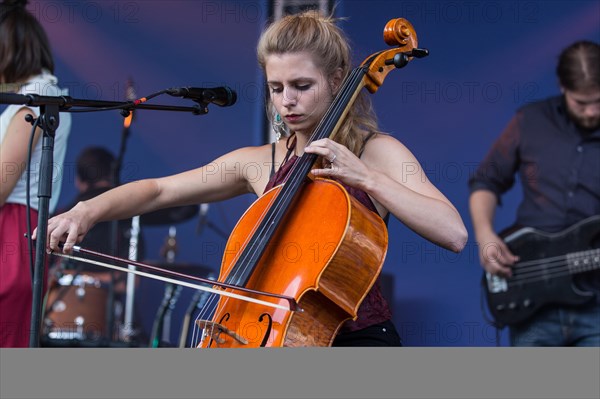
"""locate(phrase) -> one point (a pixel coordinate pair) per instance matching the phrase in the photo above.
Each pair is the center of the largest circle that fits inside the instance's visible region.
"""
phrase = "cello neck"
(331, 121)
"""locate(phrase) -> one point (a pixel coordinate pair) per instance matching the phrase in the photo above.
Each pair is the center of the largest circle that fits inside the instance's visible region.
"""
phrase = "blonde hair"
(318, 35)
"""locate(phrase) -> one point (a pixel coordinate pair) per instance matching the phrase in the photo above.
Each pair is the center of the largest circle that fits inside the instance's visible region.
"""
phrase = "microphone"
(221, 96)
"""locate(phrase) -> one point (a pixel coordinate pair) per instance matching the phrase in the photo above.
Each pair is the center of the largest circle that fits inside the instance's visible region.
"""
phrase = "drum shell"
(76, 309)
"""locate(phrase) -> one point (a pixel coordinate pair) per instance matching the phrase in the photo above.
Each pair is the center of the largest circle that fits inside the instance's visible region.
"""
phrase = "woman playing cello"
(305, 58)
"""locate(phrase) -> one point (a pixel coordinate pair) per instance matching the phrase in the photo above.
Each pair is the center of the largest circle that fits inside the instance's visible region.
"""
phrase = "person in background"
(553, 146)
(26, 67)
(95, 174)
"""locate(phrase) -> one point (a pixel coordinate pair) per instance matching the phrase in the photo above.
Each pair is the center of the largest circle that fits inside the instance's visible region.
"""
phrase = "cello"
(326, 254)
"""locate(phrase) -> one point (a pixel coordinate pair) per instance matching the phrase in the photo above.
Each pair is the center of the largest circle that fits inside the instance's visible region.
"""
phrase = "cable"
(36, 122)
(129, 104)
(491, 322)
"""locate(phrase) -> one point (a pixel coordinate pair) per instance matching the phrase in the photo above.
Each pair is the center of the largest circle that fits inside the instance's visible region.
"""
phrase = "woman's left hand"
(343, 164)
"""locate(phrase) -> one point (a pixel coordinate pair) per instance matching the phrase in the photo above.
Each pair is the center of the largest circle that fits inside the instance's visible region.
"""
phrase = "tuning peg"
(400, 60)
(419, 52)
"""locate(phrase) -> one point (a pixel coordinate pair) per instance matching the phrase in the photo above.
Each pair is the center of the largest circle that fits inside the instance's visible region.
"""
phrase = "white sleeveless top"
(44, 84)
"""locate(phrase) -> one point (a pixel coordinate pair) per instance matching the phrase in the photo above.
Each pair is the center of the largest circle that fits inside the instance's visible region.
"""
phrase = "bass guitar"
(544, 272)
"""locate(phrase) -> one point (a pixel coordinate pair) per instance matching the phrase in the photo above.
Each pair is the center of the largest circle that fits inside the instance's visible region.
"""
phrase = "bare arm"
(220, 179)
(393, 177)
(13, 152)
(494, 255)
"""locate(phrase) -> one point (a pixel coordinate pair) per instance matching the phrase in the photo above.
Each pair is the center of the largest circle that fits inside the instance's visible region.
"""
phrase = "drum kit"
(90, 309)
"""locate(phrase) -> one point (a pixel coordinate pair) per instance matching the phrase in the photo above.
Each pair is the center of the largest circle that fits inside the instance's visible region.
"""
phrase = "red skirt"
(15, 276)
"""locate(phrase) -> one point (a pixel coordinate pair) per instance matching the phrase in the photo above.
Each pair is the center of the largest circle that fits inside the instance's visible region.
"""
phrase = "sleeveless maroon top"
(374, 309)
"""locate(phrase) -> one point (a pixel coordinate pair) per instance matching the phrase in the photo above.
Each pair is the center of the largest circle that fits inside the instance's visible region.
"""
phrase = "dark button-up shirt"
(558, 167)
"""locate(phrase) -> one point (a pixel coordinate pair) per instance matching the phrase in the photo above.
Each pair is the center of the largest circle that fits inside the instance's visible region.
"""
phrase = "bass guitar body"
(327, 254)
(543, 274)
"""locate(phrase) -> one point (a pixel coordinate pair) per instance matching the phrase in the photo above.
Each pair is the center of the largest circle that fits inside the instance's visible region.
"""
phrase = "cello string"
(210, 307)
(275, 208)
(206, 313)
(286, 194)
(325, 125)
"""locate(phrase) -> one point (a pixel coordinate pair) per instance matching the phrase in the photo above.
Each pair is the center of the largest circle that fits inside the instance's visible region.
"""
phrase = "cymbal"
(173, 215)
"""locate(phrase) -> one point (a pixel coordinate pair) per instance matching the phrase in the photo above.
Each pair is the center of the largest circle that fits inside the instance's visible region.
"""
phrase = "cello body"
(327, 253)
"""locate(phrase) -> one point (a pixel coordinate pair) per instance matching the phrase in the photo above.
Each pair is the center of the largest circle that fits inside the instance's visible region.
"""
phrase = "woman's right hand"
(69, 228)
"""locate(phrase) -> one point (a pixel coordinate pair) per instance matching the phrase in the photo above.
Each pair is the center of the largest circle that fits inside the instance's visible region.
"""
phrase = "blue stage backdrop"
(487, 59)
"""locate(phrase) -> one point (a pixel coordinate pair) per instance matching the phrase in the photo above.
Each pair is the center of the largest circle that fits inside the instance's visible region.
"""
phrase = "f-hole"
(269, 326)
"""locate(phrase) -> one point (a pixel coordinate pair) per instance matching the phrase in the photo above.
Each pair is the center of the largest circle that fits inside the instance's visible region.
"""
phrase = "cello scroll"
(397, 32)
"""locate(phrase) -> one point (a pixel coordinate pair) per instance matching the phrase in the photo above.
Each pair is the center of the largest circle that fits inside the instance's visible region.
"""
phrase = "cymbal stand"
(128, 328)
(161, 329)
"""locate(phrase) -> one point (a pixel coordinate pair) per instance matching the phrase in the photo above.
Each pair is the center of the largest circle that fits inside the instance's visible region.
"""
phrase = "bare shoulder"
(384, 149)
(252, 164)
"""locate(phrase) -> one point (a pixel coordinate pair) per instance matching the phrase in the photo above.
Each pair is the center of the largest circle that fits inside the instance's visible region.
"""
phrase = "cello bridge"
(214, 330)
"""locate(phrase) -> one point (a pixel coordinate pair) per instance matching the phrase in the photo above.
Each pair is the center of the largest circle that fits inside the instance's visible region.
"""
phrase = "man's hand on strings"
(495, 256)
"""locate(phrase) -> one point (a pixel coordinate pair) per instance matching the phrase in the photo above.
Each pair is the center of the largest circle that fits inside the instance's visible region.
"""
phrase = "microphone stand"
(50, 106)
(49, 114)
(114, 244)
